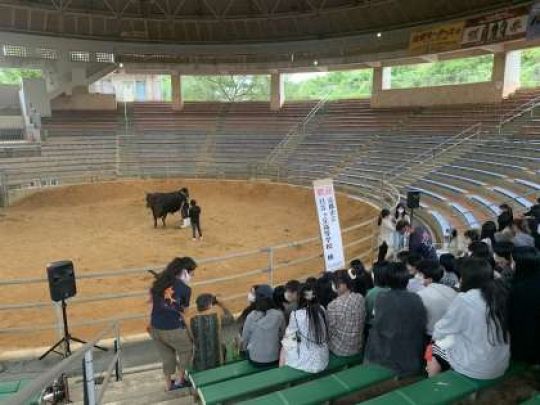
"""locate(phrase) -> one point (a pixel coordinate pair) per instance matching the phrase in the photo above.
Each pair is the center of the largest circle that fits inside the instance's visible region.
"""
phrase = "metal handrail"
(36, 386)
(518, 111)
(431, 151)
(296, 128)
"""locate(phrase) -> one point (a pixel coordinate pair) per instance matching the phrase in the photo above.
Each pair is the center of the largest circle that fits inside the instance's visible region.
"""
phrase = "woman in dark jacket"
(396, 339)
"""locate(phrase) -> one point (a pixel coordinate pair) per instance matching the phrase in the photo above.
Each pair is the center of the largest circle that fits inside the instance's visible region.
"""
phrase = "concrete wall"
(35, 95)
(475, 93)
(82, 100)
(11, 122)
(9, 96)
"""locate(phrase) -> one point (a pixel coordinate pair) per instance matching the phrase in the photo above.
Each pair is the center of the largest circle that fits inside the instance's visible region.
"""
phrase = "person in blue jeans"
(170, 296)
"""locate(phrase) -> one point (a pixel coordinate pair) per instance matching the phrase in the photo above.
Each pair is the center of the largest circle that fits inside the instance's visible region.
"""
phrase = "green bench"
(327, 388)
(10, 388)
(445, 388)
(265, 381)
(533, 401)
(223, 373)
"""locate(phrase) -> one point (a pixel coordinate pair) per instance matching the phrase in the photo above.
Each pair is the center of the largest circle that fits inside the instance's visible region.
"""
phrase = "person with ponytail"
(472, 338)
(170, 296)
(346, 317)
(305, 344)
(387, 229)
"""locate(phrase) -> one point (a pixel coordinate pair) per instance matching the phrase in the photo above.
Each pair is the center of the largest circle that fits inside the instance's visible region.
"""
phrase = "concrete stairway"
(138, 388)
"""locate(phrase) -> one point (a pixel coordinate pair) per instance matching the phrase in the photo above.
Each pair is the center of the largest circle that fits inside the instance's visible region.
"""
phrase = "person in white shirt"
(305, 344)
(436, 297)
(387, 230)
(472, 338)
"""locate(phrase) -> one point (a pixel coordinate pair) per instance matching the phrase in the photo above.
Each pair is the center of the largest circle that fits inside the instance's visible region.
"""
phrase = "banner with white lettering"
(327, 211)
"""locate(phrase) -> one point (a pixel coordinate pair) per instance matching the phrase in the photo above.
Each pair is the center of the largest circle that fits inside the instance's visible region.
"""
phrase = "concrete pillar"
(277, 91)
(512, 73)
(386, 78)
(506, 72)
(176, 92)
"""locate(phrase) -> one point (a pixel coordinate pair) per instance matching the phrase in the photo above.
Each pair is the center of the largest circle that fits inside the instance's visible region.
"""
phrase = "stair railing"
(518, 112)
(430, 154)
(84, 354)
(297, 130)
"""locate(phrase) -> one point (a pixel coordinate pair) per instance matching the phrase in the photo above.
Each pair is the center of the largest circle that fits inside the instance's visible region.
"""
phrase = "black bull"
(163, 204)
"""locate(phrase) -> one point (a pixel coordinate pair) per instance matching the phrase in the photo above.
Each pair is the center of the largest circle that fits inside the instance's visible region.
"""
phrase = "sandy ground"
(106, 227)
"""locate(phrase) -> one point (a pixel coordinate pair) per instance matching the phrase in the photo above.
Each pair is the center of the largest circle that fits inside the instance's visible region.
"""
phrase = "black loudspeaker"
(61, 277)
(413, 199)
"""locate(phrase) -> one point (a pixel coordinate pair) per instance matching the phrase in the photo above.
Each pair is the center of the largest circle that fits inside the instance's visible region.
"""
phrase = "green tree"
(231, 88)
(15, 76)
(530, 68)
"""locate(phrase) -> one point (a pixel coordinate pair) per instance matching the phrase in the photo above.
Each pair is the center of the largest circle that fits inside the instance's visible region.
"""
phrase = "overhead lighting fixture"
(315, 62)
(120, 65)
(379, 34)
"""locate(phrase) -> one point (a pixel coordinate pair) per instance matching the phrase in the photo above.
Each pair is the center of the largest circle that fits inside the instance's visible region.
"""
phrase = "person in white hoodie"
(387, 229)
(472, 337)
(436, 297)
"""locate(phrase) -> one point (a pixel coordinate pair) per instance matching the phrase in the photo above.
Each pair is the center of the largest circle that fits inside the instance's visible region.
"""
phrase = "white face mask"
(251, 297)
(400, 210)
(185, 277)
(288, 296)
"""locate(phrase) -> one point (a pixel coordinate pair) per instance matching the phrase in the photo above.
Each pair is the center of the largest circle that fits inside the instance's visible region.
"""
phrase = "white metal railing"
(359, 241)
(518, 112)
(298, 129)
(431, 153)
(92, 396)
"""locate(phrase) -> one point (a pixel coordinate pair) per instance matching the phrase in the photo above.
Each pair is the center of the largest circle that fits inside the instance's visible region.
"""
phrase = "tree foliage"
(339, 85)
(15, 76)
(231, 88)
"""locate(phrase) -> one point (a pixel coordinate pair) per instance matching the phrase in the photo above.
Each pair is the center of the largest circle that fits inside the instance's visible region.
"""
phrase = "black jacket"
(525, 318)
(195, 213)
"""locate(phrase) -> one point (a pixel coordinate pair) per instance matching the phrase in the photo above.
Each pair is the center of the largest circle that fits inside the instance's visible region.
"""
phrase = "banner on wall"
(435, 39)
(325, 200)
(499, 27)
(533, 23)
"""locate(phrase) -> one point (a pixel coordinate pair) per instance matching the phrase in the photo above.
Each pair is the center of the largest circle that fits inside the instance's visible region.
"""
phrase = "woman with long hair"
(170, 296)
(396, 337)
(305, 344)
(400, 213)
(472, 337)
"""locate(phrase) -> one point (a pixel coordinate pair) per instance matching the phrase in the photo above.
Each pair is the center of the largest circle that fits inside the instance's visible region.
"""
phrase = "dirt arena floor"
(106, 227)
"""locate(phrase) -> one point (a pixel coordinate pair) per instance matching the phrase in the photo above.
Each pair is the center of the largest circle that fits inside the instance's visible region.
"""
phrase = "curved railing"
(273, 264)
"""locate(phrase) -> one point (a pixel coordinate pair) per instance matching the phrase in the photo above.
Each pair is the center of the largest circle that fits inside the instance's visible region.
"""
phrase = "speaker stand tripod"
(66, 340)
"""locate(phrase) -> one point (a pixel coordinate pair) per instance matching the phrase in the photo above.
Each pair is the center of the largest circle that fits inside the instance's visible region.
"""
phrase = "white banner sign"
(329, 223)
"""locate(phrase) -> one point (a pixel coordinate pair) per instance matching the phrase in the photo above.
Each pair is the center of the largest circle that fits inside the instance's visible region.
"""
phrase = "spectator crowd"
(471, 307)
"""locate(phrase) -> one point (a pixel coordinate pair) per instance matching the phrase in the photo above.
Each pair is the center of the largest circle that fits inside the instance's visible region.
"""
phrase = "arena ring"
(39, 321)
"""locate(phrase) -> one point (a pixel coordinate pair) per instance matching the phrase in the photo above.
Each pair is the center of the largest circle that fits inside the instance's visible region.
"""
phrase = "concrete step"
(141, 388)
